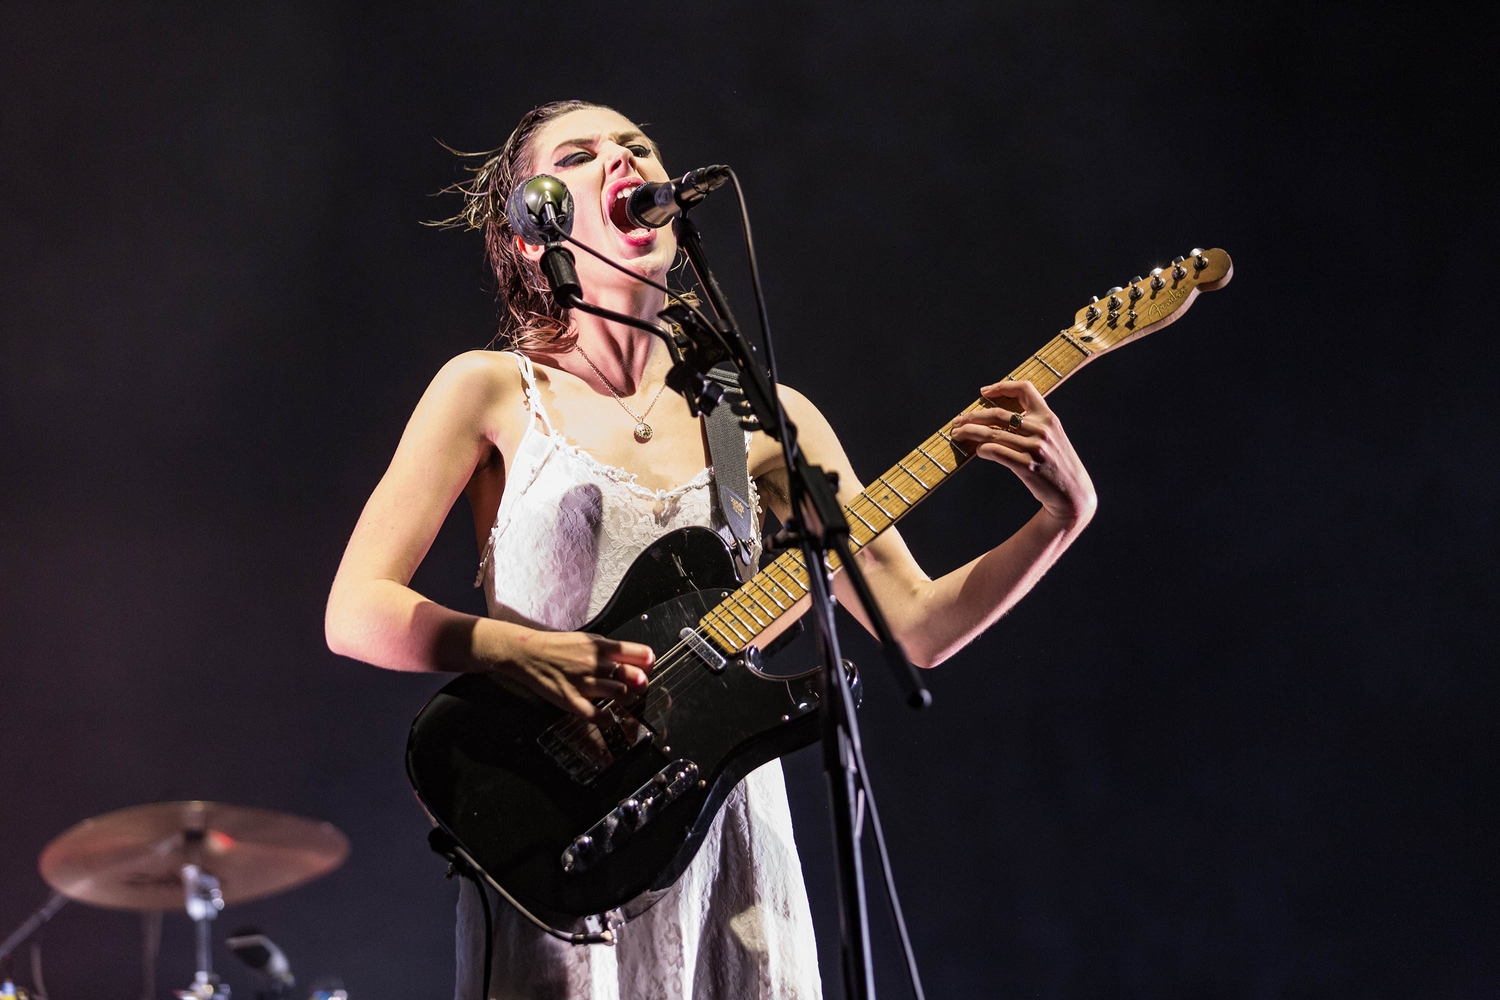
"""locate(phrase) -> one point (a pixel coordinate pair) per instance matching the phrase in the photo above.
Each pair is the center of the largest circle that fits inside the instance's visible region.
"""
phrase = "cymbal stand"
(36, 920)
(150, 949)
(204, 901)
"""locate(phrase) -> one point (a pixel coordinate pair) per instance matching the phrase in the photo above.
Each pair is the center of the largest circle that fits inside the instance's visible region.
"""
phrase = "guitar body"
(478, 754)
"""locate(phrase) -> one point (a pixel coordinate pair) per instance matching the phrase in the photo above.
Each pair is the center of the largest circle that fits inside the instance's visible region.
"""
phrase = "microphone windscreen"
(526, 209)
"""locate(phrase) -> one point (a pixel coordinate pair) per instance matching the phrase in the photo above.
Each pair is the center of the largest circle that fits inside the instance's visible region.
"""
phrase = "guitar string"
(661, 682)
(662, 685)
(677, 656)
(742, 596)
(670, 660)
(727, 615)
(575, 725)
(680, 654)
(743, 599)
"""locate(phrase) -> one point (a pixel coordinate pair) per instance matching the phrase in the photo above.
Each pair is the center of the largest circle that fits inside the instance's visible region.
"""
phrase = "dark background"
(1239, 743)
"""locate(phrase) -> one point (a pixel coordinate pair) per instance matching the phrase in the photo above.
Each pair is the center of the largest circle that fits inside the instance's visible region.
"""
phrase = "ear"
(528, 251)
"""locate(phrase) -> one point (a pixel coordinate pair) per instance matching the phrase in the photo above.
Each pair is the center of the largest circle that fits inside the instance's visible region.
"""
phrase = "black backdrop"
(1239, 743)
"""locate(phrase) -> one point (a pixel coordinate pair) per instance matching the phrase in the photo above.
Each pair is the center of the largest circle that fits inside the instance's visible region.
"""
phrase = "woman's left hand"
(1030, 442)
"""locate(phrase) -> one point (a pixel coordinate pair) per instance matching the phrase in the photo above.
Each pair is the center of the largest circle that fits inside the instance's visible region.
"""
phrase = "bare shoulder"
(794, 401)
(478, 395)
(475, 385)
(813, 430)
(480, 375)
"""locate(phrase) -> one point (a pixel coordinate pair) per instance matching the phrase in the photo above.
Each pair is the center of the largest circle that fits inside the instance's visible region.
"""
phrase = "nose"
(618, 160)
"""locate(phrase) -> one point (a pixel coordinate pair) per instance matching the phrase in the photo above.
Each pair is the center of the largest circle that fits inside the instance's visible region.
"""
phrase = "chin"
(652, 260)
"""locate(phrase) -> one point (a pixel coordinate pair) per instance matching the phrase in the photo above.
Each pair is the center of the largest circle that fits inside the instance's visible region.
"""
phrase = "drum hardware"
(197, 855)
(260, 954)
(32, 924)
(150, 951)
(204, 900)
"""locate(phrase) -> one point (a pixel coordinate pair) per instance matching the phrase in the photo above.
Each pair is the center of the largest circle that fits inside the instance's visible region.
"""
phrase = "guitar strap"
(726, 450)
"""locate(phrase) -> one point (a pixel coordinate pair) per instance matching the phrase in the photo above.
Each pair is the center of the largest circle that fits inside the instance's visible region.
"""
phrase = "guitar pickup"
(630, 815)
(586, 749)
(704, 649)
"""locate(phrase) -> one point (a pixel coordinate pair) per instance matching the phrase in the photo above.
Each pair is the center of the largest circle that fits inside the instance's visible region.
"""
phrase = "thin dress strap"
(533, 396)
(538, 412)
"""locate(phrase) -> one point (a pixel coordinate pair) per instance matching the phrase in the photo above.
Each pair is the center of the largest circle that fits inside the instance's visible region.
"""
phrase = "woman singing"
(574, 458)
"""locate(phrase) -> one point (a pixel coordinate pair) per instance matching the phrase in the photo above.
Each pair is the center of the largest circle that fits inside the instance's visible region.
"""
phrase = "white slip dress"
(736, 925)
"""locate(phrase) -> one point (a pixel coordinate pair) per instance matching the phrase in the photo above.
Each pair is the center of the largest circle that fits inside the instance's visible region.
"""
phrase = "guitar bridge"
(629, 816)
(585, 749)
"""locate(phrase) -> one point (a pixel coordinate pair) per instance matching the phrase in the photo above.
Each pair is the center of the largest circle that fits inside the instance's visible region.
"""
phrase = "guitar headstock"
(1151, 302)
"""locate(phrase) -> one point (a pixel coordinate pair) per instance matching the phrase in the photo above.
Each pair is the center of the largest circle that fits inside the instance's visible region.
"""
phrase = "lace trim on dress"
(628, 479)
(554, 441)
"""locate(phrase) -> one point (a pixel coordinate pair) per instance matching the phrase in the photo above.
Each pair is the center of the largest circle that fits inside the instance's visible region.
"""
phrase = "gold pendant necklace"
(642, 429)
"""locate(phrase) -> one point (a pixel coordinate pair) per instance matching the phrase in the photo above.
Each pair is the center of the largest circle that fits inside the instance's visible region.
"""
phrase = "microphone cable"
(760, 295)
(589, 307)
(889, 875)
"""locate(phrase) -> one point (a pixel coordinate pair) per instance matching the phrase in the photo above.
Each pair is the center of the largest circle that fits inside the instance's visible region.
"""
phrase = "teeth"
(624, 192)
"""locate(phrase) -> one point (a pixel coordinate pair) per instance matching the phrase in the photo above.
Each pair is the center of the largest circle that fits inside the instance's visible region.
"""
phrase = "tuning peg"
(1157, 283)
(1135, 291)
(1200, 261)
(1178, 271)
(1115, 289)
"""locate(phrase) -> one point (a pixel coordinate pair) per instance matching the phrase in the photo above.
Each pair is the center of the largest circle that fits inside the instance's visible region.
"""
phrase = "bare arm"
(374, 616)
(933, 619)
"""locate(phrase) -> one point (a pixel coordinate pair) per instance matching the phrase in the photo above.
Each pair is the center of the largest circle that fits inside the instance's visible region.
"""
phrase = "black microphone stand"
(818, 524)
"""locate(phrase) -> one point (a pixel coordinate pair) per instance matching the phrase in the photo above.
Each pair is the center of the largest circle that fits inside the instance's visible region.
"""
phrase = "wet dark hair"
(530, 318)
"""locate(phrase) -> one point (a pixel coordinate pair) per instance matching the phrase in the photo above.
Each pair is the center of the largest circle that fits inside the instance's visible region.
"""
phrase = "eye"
(574, 159)
(639, 150)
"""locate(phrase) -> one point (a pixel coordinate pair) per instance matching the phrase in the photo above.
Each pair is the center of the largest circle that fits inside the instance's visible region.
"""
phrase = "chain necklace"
(642, 429)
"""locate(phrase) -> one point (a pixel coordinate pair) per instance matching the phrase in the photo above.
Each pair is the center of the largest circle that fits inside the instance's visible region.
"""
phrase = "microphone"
(540, 210)
(261, 954)
(539, 207)
(656, 203)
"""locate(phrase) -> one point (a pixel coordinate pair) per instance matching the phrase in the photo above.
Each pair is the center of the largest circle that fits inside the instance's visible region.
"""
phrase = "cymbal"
(132, 859)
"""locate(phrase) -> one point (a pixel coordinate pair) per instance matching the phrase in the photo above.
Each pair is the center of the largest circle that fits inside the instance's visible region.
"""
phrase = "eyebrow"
(588, 142)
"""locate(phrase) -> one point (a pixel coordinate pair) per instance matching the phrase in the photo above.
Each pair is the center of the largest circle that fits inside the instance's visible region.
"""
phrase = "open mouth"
(615, 212)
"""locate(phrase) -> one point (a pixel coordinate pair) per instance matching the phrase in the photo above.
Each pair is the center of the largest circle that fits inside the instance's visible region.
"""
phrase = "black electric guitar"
(576, 817)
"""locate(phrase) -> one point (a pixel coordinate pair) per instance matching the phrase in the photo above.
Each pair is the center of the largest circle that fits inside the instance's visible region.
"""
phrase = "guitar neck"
(782, 584)
(1148, 304)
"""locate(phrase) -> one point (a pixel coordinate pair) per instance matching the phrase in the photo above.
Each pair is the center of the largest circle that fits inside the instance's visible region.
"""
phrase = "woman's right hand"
(570, 669)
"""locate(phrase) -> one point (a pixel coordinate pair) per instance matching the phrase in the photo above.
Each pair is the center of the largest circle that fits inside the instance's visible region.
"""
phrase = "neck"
(628, 358)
